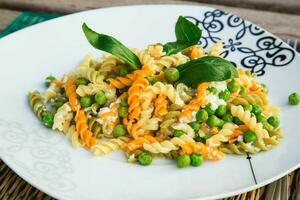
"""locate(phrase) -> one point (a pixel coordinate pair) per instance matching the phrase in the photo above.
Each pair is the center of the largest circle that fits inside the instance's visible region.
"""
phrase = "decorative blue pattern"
(268, 51)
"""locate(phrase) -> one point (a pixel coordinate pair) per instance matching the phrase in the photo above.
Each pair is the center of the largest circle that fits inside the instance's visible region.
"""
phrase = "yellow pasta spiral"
(251, 122)
(106, 147)
(222, 136)
(161, 106)
(73, 135)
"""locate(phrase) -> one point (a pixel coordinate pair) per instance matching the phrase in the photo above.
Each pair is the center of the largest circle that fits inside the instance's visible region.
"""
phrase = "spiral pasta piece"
(163, 147)
(74, 137)
(167, 90)
(182, 91)
(222, 136)
(70, 88)
(251, 122)
(195, 104)
(144, 57)
(94, 127)
(161, 106)
(139, 142)
(210, 152)
(133, 97)
(187, 145)
(82, 128)
(109, 62)
(250, 99)
(89, 90)
(86, 62)
(103, 148)
(171, 61)
(37, 104)
(48, 95)
(90, 74)
(122, 82)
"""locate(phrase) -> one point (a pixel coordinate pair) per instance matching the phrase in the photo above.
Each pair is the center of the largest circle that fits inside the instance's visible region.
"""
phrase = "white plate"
(47, 160)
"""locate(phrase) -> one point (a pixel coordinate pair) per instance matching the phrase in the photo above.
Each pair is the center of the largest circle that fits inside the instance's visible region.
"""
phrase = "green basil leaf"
(187, 34)
(111, 45)
(175, 47)
(206, 69)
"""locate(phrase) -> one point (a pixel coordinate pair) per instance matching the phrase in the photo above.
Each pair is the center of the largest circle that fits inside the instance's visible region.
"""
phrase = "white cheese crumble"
(214, 101)
(187, 119)
(240, 138)
(108, 119)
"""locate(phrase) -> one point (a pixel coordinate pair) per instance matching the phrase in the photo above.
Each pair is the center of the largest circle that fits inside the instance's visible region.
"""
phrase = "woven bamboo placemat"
(13, 187)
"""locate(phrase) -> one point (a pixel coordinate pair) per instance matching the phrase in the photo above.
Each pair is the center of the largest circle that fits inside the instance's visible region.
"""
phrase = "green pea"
(178, 133)
(82, 81)
(48, 119)
(56, 105)
(171, 75)
(201, 115)
(100, 98)
(123, 111)
(196, 160)
(247, 107)
(274, 121)
(214, 121)
(119, 131)
(225, 95)
(209, 110)
(260, 118)
(183, 161)
(265, 88)
(124, 70)
(195, 125)
(152, 79)
(233, 86)
(256, 109)
(85, 102)
(242, 91)
(227, 117)
(237, 121)
(145, 158)
(221, 110)
(294, 99)
(49, 80)
(249, 136)
(124, 102)
(213, 90)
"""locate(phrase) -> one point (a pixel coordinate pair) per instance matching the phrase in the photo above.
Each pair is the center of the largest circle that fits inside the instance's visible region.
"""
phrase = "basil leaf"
(187, 34)
(111, 45)
(206, 69)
